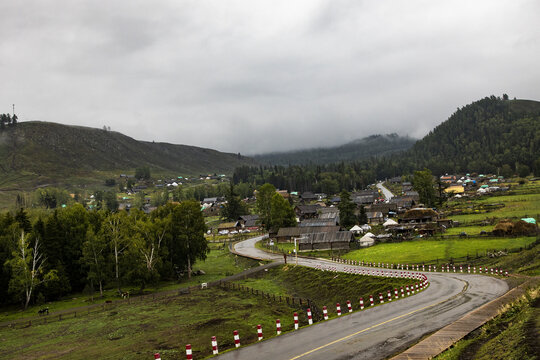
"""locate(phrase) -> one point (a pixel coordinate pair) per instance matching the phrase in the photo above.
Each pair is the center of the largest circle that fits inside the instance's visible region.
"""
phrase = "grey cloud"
(261, 76)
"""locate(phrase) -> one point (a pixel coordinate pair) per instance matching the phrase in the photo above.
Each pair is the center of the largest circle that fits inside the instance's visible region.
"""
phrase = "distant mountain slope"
(51, 149)
(482, 136)
(375, 145)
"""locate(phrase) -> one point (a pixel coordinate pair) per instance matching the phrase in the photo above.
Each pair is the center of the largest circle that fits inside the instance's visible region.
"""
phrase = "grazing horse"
(44, 311)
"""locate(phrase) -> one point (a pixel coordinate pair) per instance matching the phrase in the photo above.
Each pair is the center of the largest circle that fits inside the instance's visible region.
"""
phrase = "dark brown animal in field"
(44, 311)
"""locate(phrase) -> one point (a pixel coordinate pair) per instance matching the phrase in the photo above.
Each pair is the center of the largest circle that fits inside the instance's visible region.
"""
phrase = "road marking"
(377, 325)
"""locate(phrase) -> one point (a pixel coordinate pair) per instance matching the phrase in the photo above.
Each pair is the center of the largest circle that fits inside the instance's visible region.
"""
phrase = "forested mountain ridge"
(491, 135)
(482, 137)
(54, 150)
(374, 145)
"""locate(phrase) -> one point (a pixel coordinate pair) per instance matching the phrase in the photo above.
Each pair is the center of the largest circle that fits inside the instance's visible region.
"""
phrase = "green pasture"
(516, 206)
(140, 329)
(218, 264)
(432, 251)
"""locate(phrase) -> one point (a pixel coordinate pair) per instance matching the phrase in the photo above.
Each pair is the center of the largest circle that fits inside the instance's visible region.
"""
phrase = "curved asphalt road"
(387, 193)
(379, 332)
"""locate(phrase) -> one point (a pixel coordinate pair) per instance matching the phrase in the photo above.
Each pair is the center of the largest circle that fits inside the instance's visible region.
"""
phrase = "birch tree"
(27, 268)
(115, 230)
(94, 250)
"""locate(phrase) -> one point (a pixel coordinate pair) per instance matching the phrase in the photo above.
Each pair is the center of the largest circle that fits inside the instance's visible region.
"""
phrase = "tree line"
(7, 120)
(72, 249)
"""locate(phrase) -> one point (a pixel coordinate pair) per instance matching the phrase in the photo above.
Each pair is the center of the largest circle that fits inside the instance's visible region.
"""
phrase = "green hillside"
(374, 145)
(50, 151)
(483, 136)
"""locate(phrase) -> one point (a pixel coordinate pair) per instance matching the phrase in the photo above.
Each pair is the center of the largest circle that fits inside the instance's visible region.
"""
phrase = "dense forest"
(72, 249)
(485, 137)
(374, 145)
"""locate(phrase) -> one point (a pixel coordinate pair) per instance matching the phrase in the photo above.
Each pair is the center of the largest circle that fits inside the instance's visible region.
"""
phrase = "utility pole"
(13, 109)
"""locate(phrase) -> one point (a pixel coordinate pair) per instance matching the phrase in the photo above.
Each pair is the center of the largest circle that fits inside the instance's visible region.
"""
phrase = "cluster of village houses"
(319, 227)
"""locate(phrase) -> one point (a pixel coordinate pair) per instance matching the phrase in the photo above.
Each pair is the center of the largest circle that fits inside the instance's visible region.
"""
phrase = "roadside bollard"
(214, 346)
(295, 321)
(325, 313)
(371, 300)
(408, 292)
(349, 306)
(338, 308)
(480, 269)
(402, 293)
(259, 333)
(389, 295)
(309, 318)
(396, 293)
(469, 269)
(278, 326)
(157, 356)
(236, 338)
(381, 298)
(460, 268)
(189, 354)
(361, 303)
(416, 287)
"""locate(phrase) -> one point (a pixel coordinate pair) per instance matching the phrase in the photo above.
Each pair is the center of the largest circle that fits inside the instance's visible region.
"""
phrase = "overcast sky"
(259, 76)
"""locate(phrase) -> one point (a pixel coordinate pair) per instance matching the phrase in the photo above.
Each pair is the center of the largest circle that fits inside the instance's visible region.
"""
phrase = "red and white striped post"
(396, 293)
(214, 346)
(157, 356)
(408, 292)
(402, 293)
(361, 303)
(460, 268)
(381, 299)
(325, 313)
(349, 306)
(389, 295)
(480, 269)
(469, 269)
(416, 287)
(309, 318)
(295, 321)
(236, 338)
(429, 267)
(259, 333)
(474, 269)
(278, 326)
(371, 300)
(491, 271)
(189, 353)
(338, 308)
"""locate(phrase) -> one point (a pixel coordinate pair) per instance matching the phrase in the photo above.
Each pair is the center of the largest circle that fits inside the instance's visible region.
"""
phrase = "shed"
(337, 240)
(286, 234)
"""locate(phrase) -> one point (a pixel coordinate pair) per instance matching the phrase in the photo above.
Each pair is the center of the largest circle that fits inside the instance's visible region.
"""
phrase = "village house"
(249, 222)
(308, 196)
(406, 186)
(375, 217)
(339, 240)
(419, 215)
(288, 233)
(306, 211)
(413, 195)
(385, 208)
